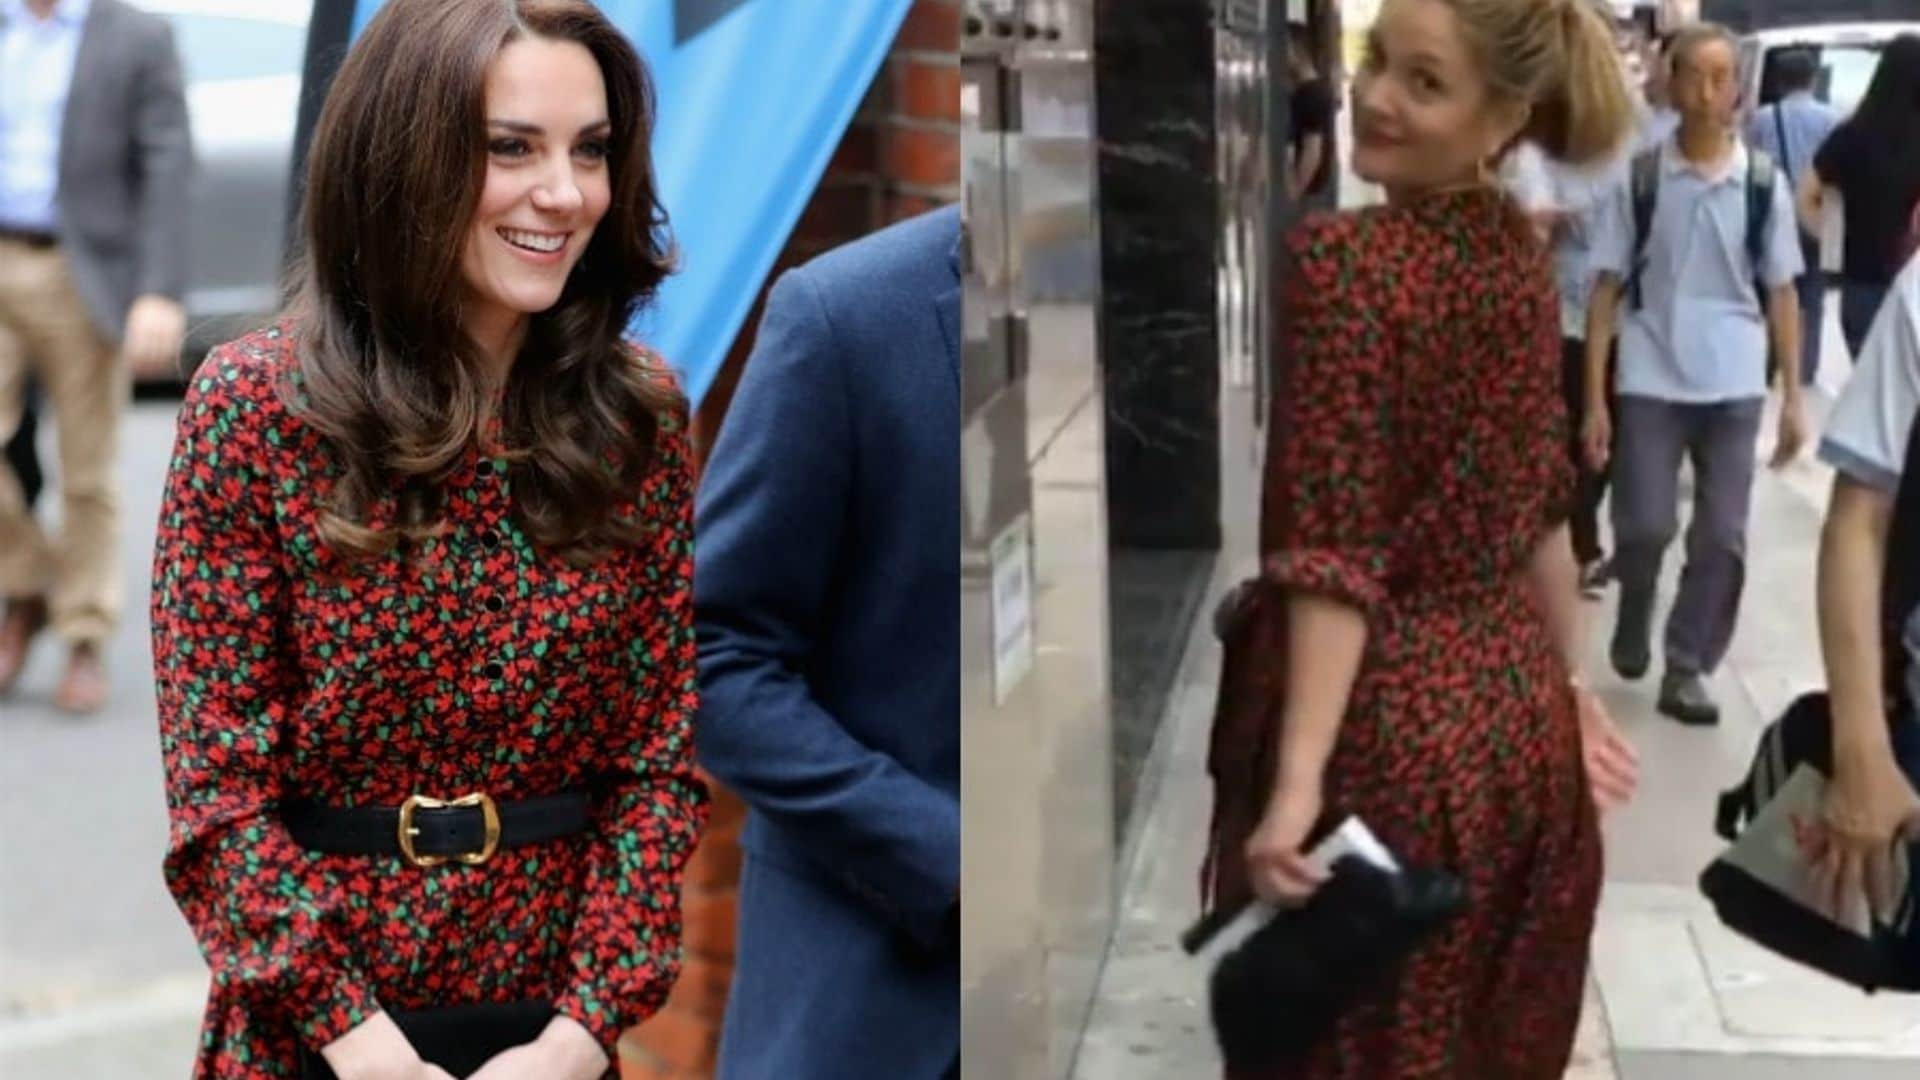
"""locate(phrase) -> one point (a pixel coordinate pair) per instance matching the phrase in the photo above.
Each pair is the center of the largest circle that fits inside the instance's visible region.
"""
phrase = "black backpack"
(1762, 175)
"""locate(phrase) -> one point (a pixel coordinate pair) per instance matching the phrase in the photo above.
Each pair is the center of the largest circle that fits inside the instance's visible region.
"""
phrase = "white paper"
(1352, 837)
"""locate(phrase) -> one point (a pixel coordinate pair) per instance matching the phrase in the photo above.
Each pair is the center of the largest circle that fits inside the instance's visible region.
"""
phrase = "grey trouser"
(1650, 436)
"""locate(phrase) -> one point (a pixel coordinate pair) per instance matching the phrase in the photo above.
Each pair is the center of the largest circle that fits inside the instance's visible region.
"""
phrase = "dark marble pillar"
(1154, 65)
(1160, 237)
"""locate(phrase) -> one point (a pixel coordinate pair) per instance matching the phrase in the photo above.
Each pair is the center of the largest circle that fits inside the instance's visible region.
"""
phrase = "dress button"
(489, 538)
(496, 605)
(493, 670)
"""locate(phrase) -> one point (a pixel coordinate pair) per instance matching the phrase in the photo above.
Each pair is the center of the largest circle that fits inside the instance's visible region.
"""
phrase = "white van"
(1849, 53)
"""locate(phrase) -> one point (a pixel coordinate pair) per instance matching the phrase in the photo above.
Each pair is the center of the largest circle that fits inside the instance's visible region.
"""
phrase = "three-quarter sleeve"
(625, 946)
(1330, 459)
(267, 915)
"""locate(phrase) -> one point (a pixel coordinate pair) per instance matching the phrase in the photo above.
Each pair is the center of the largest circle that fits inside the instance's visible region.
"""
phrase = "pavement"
(1674, 996)
(99, 976)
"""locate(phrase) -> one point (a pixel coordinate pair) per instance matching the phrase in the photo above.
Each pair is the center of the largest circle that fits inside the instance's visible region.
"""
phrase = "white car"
(1849, 54)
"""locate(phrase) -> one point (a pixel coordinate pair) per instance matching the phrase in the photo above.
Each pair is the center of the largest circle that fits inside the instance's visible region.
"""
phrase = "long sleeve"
(267, 916)
(774, 506)
(1330, 457)
(626, 936)
(164, 149)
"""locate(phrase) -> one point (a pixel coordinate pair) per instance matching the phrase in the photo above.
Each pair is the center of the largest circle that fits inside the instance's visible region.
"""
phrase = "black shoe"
(1632, 648)
(1684, 697)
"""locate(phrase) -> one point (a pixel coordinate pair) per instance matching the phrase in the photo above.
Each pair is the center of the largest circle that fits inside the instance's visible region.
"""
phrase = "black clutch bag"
(1761, 887)
(458, 1038)
(1281, 991)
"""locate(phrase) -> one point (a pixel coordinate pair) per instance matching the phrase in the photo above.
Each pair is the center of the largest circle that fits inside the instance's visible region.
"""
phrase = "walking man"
(93, 206)
(1699, 218)
(826, 596)
(1791, 130)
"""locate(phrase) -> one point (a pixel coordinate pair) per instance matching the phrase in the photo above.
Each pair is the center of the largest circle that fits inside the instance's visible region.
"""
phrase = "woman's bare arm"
(1325, 640)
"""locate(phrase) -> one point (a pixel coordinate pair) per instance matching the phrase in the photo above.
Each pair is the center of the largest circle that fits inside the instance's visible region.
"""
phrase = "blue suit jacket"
(827, 601)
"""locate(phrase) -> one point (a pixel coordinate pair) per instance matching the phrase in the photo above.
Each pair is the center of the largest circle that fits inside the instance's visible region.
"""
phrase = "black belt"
(428, 832)
(29, 237)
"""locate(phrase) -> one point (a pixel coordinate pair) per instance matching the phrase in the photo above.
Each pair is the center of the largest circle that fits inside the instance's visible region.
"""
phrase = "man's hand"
(1870, 806)
(1793, 429)
(564, 1051)
(156, 329)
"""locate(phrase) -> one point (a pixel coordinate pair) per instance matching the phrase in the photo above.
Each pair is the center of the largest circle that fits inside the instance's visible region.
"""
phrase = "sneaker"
(1632, 648)
(1684, 697)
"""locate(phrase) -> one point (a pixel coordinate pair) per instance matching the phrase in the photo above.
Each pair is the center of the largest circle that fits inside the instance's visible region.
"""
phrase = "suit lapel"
(947, 306)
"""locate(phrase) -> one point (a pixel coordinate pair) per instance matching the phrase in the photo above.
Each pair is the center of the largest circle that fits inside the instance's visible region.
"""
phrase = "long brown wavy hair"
(391, 381)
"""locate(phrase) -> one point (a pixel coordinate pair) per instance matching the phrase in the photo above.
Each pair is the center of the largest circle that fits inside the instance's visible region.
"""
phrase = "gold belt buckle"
(489, 816)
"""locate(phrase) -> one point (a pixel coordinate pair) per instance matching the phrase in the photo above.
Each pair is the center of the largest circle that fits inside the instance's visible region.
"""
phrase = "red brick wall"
(900, 157)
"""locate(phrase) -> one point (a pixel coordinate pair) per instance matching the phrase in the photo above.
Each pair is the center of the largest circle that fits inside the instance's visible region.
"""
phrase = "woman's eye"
(508, 147)
(596, 150)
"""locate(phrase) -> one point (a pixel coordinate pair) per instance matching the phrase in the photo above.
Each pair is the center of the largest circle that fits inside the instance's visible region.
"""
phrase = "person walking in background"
(1698, 220)
(828, 604)
(1871, 646)
(93, 254)
(1310, 125)
(1791, 130)
(429, 535)
(1872, 161)
(1562, 200)
(1418, 602)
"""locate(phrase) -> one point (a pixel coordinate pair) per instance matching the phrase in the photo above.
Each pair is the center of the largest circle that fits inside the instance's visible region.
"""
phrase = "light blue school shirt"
(1701, 334)
(36, 70)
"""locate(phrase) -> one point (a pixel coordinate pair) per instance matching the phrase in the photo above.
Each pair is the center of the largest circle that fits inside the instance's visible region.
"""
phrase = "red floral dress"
(1418, 461)
(486, 666)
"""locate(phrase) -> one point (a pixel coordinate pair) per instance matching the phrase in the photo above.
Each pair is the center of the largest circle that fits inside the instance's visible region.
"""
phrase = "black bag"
(1281, 992)
(1884, 959)
(458, 1038)
(1889, 958)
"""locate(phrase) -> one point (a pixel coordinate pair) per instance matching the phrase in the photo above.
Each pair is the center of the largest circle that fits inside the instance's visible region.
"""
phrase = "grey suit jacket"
(125, 161)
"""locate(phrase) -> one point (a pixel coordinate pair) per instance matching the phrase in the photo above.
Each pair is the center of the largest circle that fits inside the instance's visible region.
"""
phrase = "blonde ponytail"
(1590, 109)
(1557, 58)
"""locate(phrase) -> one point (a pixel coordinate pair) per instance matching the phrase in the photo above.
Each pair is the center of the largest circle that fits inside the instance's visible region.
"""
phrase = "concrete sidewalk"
(1674, 995)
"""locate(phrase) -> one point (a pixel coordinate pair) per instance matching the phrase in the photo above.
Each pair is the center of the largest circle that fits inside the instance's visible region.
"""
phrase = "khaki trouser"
(44, 329)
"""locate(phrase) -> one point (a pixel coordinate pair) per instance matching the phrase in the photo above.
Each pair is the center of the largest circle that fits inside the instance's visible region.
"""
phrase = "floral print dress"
(483, 665)
(1417, 461)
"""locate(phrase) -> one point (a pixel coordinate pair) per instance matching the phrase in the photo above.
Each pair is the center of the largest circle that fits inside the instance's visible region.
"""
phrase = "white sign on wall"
(1011, 557)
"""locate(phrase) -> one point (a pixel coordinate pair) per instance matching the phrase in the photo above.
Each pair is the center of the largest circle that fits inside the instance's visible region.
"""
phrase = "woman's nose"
(559, 191)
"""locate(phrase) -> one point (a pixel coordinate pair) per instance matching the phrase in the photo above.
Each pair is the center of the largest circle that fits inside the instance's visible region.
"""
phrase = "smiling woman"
(424, 151)
(422, 587)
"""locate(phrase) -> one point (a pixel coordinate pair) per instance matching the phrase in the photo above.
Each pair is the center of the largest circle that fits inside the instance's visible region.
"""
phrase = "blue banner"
(753, 98)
